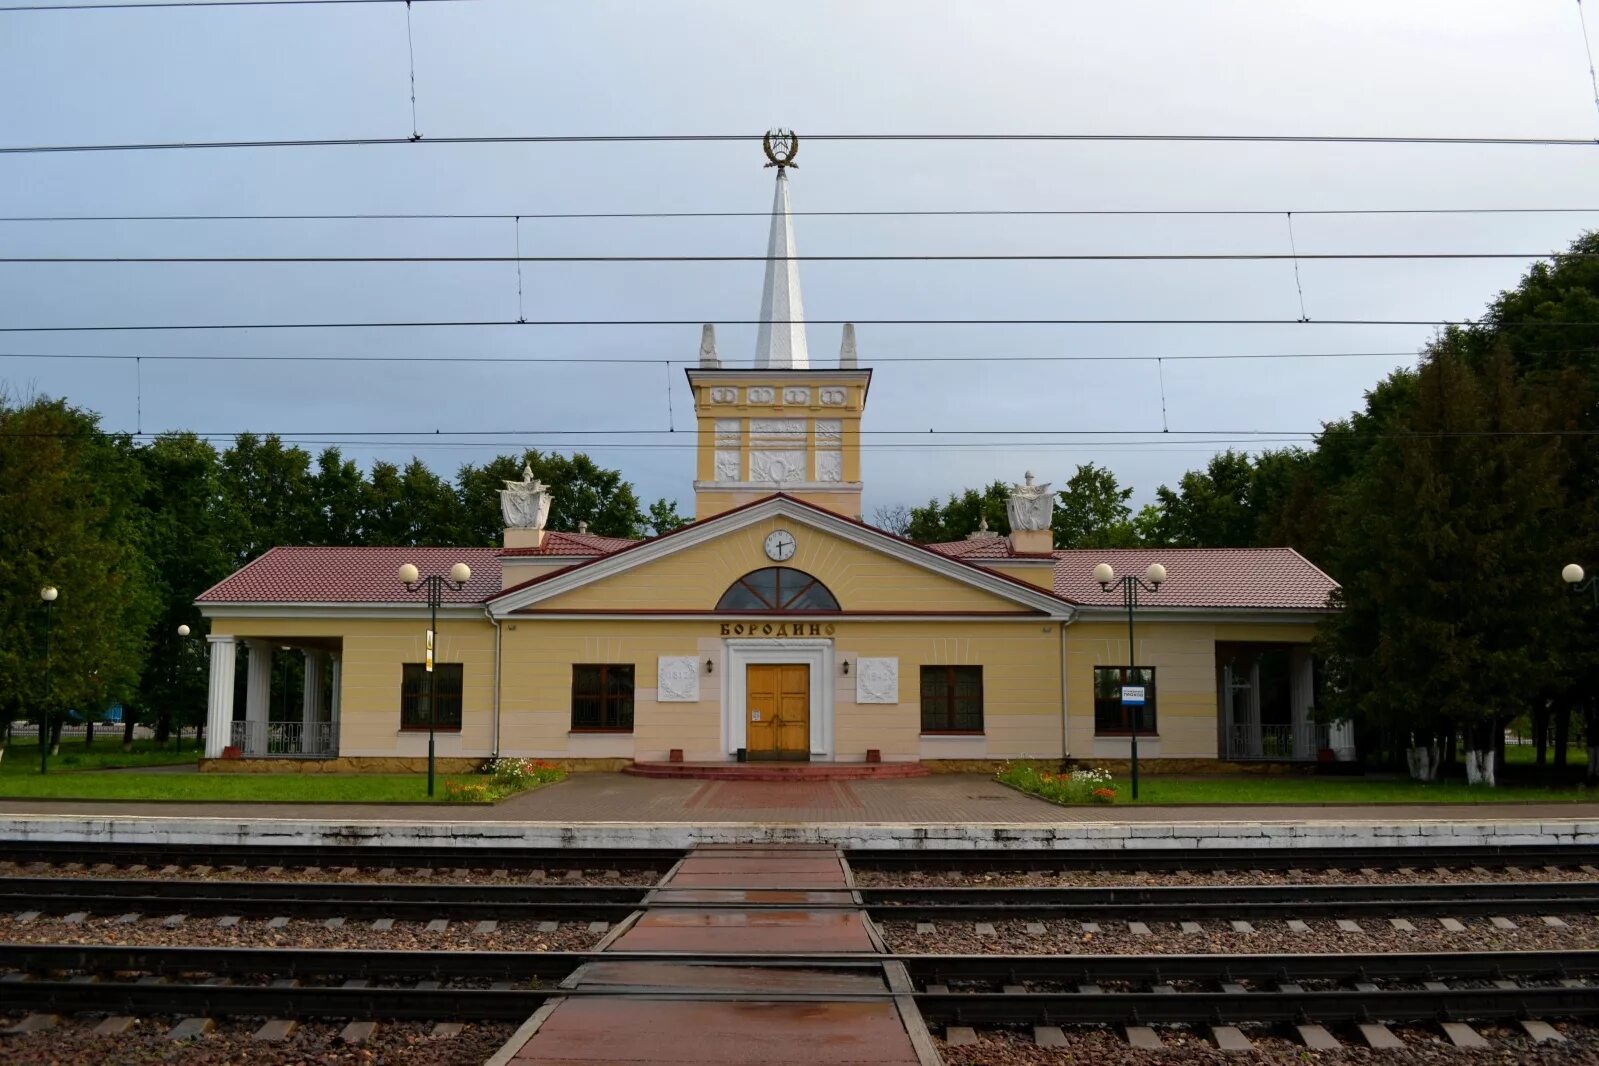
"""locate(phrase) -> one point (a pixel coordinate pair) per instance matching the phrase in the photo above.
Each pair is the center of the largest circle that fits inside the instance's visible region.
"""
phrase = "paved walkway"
(733, 900)
(934, 800)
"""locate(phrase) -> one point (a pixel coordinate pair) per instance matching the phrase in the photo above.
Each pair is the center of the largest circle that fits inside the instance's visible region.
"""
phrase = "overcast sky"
(512, 67)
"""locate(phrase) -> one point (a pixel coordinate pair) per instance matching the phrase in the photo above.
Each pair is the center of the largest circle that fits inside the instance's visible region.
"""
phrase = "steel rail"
(1196, 1008)
(459, 901)
(1182, 858)
(1212, 901)
(1143, 970)
(1162, 1003)
(466, 852)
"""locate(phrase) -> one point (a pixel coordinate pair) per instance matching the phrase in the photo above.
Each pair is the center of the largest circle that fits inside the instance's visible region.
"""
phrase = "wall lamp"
(846, 667)
(710, 667)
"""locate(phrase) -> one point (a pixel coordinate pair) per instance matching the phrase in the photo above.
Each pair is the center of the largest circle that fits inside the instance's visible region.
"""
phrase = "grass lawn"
(230, 788)
(1527, 755)
(1313, 790)
(22, 757)
(1298, 789)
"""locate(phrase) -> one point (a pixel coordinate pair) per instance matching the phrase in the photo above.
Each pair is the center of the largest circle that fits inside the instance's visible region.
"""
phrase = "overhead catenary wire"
(620, 322)
(910, 257)
(861, 213)
(1593, 77)
(131, 5)
(890, 138)
(694, 361)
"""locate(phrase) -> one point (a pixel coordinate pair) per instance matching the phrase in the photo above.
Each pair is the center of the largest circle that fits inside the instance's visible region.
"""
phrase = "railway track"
(1165, 859)
(470, 854)
(969, 990)
(466, 853)
(307, 899)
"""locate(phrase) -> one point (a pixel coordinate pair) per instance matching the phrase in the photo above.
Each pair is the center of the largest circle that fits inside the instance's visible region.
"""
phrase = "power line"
(1444, 322)
(918, 257)
(135, 4)
(714, 138)
(694, 361)
(1201, 436)
(1026, 212)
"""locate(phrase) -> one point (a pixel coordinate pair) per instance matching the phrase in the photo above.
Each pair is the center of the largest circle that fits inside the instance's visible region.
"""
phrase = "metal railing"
(284, 738)
(1274, 742)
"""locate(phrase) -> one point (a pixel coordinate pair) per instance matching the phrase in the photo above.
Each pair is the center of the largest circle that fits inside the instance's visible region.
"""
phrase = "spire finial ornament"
(847, 356)
(780, 340)
(781, 146)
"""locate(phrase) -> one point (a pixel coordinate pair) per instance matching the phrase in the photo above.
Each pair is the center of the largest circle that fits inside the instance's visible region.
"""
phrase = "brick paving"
(680, 1011)
(936, 799)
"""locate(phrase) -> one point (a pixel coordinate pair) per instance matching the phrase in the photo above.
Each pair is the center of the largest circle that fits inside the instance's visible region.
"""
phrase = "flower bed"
(1078, 786)
(502, 778)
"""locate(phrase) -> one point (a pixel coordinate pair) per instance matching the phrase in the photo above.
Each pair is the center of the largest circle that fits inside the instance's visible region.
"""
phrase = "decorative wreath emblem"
(781, 147)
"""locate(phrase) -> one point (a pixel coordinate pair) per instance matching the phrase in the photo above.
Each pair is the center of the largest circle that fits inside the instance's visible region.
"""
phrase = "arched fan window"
(777, 588)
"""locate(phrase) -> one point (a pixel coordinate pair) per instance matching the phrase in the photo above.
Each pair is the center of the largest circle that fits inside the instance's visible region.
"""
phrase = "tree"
(664, 517)
(1092, 511)
(963, 514)
(70, 518)
(1446, 619)
(269, 488)
(340, 501)
(895, 519)
(413, 507)
(187, 519)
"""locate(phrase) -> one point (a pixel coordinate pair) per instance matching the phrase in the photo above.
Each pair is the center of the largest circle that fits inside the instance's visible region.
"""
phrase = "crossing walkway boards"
(733, 900)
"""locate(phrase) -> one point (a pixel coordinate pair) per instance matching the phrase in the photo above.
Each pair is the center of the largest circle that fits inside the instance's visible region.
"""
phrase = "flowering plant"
(1093, 785)
(522, 773)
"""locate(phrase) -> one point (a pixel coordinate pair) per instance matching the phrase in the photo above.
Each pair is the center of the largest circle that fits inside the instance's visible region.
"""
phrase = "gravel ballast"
(152, 931)
(1423, 1045)
(554, 875)
(1343, 875)
(73, 1043)
(1270, 936)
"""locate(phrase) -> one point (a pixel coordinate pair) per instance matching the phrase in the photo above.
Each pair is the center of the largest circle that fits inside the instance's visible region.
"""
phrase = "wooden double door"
(777, 706)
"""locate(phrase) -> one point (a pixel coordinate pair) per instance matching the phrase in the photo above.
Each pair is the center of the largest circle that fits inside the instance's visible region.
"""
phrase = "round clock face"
(780, 546)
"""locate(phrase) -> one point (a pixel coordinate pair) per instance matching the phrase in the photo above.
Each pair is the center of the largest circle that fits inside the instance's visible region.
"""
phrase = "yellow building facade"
(776, 626)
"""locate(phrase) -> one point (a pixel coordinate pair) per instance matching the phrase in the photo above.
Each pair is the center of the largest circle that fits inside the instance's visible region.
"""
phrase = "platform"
(685, 1012)
(777, 771)
(942, 811)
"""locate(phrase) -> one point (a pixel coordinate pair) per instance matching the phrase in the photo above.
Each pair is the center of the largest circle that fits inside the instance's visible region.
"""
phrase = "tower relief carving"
(833, 397)
(761, 394)
(797, 395)
(724, 395)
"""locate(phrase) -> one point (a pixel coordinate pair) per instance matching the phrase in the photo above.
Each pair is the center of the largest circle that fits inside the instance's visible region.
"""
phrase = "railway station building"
(775, 626)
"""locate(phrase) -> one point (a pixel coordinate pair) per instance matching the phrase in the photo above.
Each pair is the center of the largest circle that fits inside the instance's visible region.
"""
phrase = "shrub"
(513, 775)
(1078, 786)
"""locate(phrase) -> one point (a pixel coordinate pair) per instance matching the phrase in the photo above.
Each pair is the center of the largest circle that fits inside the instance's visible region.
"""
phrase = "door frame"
(814, 653)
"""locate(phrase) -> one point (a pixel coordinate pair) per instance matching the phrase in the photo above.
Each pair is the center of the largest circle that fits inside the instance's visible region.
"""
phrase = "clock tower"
(779, 425)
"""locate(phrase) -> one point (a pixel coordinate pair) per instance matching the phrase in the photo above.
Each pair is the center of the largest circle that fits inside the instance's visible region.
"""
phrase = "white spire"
(782, 344)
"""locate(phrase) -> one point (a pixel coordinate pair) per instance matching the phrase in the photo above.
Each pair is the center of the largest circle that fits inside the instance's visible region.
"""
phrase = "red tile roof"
(1195, 577)
(995, 547)
(558, 543)
(1200, 577)
(353, 575)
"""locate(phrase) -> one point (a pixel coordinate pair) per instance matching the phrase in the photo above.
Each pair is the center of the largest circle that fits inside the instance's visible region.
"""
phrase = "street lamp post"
(1573, 575)
(48, 594)
(1130, 585)
(434, 585)
(177, 670)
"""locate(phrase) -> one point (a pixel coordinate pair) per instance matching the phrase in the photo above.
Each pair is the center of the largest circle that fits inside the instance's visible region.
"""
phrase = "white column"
(1225, 706)
(1341, 738)
(219, 701)
(311, 702)
(1252, 709)
(258, 696)
(336, 700)
(1302, 701)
